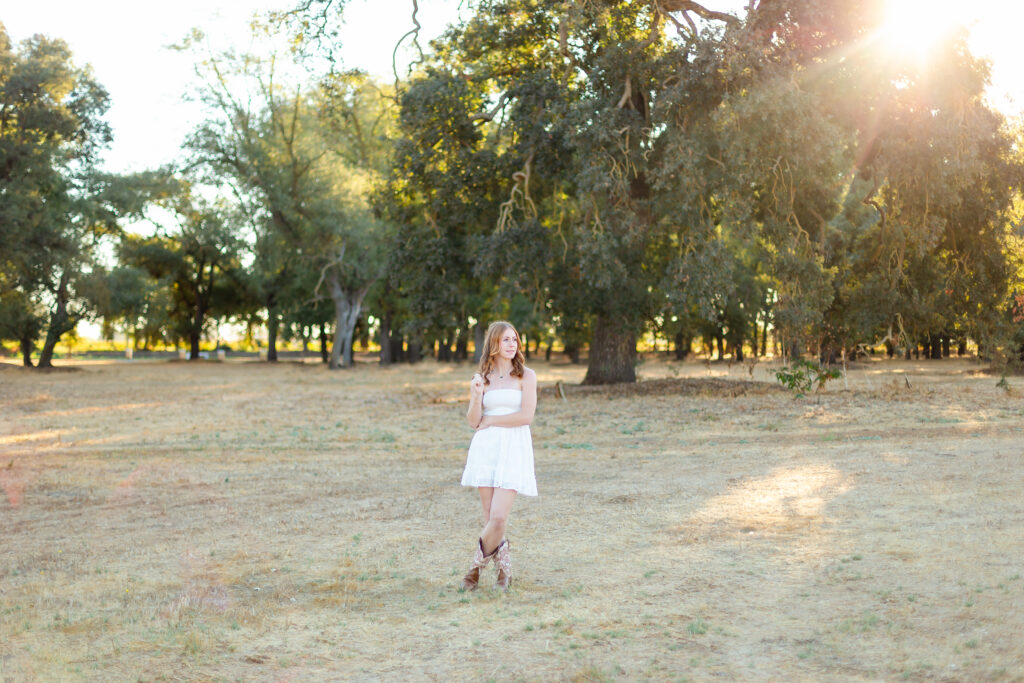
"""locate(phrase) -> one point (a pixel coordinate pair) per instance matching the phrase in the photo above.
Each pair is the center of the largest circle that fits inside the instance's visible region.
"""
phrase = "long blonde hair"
(492, 345)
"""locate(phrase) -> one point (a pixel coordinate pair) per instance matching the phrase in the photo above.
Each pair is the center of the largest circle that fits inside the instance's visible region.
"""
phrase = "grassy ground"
(226, 521)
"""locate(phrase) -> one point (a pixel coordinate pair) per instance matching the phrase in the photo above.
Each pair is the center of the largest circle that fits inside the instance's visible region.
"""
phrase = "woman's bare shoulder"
(529, 374)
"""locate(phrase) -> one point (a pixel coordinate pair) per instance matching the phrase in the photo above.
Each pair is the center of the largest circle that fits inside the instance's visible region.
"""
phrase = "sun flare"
(914, 27)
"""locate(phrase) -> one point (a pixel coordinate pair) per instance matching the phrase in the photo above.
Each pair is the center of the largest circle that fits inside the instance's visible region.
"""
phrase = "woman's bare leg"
(497, 517)
(486, 493)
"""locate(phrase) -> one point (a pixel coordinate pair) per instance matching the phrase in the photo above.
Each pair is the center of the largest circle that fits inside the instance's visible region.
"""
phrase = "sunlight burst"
(914, 27)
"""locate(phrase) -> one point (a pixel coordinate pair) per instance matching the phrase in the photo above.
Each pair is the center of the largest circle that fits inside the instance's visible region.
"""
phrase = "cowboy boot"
(480, 561)
(503, 562)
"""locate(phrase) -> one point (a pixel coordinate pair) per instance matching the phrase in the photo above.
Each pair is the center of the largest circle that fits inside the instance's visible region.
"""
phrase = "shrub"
(802, 374)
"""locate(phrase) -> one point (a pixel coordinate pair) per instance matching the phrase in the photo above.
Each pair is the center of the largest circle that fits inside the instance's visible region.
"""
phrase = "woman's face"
(508, 344)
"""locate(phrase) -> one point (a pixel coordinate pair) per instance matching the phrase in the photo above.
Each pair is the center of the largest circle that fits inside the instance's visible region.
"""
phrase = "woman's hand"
(476, 386)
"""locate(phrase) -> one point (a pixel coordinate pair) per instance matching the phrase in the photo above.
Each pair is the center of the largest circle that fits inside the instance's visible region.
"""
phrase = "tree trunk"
(444, 347)
(573, 351)
(60, 322)
(720, 343)
(682, 346)
(193, 342)
(945, 346)
(324, 355)
(462, 345)
(397, 343)
(272, 324)
(764, 337)
(478, 341)
(414, 350)
(27, 346)
(347, 306)
(961, 347)
(612, 354)
(385, 339)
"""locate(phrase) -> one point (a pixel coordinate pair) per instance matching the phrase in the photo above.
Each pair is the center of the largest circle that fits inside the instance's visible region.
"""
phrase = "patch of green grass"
(380, 436)
(697, 627)
(638, 427)
(865, 623)
(593, 674)
(575, 446)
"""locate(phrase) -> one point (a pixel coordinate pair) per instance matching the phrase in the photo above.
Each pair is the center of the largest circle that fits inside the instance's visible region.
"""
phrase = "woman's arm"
(525, 414)
(476, 395)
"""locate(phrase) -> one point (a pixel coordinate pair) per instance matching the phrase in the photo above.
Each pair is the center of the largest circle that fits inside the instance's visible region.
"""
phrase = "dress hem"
(520, 491)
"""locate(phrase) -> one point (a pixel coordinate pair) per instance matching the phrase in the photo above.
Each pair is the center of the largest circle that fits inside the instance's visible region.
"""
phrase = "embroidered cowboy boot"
(480, 561)
(503, 561)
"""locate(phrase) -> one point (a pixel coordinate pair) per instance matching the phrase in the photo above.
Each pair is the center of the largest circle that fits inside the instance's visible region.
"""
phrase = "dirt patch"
(708, 387)
(11, 367)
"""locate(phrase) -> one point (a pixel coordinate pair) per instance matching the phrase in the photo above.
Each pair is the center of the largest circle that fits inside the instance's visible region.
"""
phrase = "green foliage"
(302, 165)
(801, 374)
(591, 170)
(200, 263)
(58, 208)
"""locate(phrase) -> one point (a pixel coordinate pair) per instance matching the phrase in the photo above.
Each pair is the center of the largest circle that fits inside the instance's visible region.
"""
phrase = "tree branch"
(415, 41)
(489, 116)
(698, 9)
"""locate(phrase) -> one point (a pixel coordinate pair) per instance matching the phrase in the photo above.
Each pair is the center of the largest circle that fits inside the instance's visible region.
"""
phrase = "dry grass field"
(243, 521)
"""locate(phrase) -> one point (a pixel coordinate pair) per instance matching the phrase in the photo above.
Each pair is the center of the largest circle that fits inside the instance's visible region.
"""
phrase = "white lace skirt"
(501, 457)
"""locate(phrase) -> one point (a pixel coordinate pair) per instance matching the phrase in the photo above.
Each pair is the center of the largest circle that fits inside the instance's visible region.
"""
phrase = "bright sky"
(124, 41)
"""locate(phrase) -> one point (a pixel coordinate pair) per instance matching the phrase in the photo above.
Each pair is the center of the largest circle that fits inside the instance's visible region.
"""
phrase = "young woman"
(502, 400)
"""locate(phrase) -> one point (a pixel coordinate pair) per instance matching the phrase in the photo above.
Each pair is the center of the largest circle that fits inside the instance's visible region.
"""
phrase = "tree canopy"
(593, 171)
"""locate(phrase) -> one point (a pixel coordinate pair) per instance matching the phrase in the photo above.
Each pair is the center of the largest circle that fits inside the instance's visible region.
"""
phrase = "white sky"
(124, 41)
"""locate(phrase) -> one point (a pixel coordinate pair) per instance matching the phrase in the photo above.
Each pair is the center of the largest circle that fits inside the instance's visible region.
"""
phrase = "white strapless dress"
(502, 457)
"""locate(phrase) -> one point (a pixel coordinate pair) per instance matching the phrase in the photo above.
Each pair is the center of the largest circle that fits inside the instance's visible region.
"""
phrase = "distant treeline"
(777, 180)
